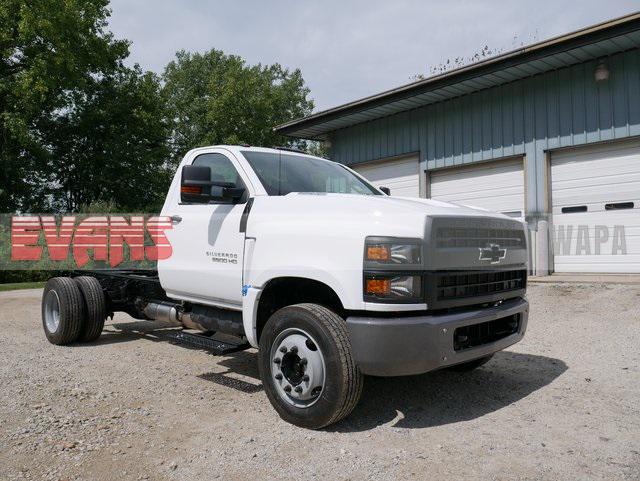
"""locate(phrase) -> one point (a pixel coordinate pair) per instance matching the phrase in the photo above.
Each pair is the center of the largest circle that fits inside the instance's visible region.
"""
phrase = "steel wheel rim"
(52, 311)
(298, 369)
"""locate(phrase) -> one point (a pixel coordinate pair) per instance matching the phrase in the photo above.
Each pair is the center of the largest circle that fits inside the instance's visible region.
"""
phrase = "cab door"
(206, 263)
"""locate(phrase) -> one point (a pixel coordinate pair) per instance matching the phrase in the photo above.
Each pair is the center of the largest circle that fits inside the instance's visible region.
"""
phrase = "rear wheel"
(62, 310)
(306, 366)
(95, 308)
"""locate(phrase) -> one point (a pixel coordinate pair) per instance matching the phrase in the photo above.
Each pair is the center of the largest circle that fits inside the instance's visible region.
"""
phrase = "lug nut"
(277, 360)
(303, 361)
(283, 349)
(287, 388)
(294, 349)
(278, 376)
(298, 389)
(305, 378)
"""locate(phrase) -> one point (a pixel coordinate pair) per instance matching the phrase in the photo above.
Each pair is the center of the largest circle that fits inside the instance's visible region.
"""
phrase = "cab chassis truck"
(328, 276)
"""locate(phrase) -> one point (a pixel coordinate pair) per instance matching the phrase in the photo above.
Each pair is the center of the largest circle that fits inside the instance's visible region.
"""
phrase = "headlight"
(392, 270)
(392, 251)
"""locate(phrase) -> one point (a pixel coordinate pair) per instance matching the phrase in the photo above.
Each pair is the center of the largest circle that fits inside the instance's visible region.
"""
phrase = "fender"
(251, 293)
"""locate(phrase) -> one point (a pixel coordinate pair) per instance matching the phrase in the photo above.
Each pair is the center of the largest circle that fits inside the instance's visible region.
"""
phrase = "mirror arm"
(234, 192)
(198, 183)
(217, 183)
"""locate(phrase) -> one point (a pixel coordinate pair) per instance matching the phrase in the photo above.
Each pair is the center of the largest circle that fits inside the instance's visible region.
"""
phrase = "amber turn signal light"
(190, 189)
(378, 253)
(378, 286)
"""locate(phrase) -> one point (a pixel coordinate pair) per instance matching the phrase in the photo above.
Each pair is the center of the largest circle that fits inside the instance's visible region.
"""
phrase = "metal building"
(549, 133)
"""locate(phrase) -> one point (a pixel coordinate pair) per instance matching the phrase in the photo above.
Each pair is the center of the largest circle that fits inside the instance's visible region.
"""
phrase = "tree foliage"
(215, 98)
(78, 128)
(317, 148)
(76, 125)
(49, 49)
(111, 147)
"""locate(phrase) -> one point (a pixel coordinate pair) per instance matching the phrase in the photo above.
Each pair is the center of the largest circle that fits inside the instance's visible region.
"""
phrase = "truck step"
(216, 346)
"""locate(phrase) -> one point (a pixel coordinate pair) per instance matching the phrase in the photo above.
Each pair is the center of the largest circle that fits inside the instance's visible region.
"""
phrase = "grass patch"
(21, 285)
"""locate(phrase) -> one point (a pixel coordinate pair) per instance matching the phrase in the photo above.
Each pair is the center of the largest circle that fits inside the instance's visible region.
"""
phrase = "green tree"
(317, 148)
(111, 146)
(215, 98)
(49, 50)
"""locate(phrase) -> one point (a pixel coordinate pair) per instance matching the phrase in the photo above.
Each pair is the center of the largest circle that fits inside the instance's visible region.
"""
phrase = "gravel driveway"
(564, 404)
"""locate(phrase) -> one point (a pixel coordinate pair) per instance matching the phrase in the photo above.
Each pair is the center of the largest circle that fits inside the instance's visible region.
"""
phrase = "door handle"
(176, 219)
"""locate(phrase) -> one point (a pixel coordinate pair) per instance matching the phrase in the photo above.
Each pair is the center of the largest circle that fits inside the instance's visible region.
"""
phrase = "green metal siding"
(562, 108)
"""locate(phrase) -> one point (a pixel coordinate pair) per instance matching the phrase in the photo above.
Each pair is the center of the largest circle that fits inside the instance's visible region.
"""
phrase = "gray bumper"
(403, 346)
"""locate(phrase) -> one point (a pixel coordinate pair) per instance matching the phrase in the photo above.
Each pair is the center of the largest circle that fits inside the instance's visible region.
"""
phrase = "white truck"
(328, 276)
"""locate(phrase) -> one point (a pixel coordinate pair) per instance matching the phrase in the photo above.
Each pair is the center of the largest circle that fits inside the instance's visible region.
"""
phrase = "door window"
(222, 170)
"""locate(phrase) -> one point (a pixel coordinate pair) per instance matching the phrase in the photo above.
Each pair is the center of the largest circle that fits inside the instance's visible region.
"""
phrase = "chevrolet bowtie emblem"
(492, 253)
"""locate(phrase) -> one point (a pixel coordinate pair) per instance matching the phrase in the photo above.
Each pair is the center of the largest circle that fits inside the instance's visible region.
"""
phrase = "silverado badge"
(493, 253)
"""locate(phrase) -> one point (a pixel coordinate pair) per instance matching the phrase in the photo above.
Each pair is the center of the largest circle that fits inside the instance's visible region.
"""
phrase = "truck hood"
(368, 214)
(401, 204)
(385, 205)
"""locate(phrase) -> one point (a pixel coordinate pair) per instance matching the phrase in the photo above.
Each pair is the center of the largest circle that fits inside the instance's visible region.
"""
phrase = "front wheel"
(307, 367)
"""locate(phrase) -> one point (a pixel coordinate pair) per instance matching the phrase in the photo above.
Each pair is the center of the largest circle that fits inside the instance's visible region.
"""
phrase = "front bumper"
(404, 346)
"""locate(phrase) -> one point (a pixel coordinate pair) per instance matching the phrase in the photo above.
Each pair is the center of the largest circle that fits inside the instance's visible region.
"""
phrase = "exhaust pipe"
(170, 312)
(162, 311)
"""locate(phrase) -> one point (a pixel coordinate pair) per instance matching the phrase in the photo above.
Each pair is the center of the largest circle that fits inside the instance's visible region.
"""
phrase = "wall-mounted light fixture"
(602, 72)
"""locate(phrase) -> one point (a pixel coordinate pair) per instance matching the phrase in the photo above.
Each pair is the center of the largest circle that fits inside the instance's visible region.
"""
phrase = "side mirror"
(197, 187)
(386, 190)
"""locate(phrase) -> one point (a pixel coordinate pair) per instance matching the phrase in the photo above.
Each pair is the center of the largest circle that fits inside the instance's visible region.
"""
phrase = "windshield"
(282, 173)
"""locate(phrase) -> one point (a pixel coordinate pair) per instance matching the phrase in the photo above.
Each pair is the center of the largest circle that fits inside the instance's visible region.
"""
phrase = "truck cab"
(331, 278)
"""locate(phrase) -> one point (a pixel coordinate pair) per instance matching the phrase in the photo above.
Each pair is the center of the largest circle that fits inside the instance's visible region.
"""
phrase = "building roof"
(590, 43)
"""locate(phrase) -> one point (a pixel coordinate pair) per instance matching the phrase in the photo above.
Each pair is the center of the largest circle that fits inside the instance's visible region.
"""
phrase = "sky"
(348, 49)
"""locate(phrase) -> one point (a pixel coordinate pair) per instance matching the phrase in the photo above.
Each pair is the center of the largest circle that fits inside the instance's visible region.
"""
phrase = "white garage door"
(497, 186)
(400, 175)
(595, 195)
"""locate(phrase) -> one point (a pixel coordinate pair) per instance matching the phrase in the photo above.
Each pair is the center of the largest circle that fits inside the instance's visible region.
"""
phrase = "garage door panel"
(627, 188)
(603, 260)
(468, 179)
(495, 186)
(498, 203)
(579, 168)
(598, 240)
(602, 179)
(628, 217)
(479, 194)
(478, 188)
(596, 204)
(400, 175)
(569, 239)
(598, 264)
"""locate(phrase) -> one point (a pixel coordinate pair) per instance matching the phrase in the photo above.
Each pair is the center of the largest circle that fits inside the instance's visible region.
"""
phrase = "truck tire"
(95, 306)
(62, 310)
(307, 367)
(471, 365)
